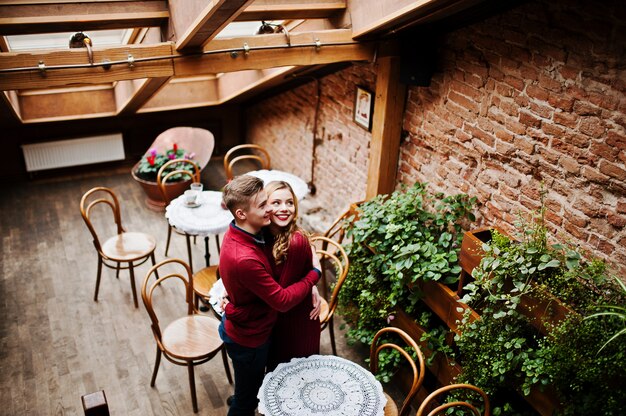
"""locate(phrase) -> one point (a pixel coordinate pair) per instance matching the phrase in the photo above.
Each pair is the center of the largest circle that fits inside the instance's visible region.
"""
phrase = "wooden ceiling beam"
(9, 108)
(215, 16)
(291, 9)
(374, 17)
(96, 74)
(141, 92)
(273, 51)
(23, 19)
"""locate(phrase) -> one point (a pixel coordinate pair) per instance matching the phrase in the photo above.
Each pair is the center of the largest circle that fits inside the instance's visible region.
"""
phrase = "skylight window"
(99, 38)
(237, 29)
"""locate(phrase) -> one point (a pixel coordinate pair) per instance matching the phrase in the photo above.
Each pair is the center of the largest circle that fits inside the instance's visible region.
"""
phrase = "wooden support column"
(386, 128)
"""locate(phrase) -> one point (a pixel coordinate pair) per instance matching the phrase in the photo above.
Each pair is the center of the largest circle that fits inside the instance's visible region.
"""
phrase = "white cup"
(196, 188)
(190, 197)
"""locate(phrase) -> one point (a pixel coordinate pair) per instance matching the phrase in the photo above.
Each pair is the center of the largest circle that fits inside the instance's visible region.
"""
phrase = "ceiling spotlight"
(82, 40)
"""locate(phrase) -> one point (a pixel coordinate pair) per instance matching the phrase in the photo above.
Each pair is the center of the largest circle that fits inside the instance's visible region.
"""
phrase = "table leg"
(207, 255)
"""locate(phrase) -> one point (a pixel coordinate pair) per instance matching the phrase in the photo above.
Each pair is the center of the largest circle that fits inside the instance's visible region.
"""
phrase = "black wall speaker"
(417, 61)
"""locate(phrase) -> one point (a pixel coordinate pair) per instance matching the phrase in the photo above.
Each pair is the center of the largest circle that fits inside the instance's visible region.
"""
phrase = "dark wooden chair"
(190, 340)
(238, 154)
(333, 259)
(124, 250)
(469, 406)
(380, 343)
(184, 168)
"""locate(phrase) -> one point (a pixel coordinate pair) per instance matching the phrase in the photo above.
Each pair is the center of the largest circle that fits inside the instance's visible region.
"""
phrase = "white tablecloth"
(321, 385)
(208, 218)
(300, 188)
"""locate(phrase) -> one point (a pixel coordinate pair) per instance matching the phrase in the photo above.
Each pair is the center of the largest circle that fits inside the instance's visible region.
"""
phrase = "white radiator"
(62, 153)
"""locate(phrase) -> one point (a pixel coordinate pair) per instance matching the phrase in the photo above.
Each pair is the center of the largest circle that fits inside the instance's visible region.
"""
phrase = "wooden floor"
(56, 342)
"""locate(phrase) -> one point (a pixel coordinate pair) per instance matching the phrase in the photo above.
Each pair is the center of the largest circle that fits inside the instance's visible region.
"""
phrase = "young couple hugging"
(269, 270)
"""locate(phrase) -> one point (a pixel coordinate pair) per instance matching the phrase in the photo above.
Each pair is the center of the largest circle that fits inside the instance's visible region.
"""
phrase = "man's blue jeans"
(249, 365)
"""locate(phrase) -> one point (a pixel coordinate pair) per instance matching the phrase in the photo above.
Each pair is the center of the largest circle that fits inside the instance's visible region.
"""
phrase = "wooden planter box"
(539, 311)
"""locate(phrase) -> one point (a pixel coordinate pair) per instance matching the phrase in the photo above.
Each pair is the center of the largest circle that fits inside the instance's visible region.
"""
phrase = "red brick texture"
(529, 98)
(284, 126)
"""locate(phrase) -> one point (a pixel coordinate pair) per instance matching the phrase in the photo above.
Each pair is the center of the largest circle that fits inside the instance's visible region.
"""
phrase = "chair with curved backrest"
(189, 340)
(130, 248)
(336, 231)
(329, 251)
(181, 168)
(458, 404)
(378, 344)
(234, 156)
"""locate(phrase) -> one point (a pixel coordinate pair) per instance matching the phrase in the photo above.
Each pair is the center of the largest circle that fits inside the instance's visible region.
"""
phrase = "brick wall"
(533, 96)
(284, 125)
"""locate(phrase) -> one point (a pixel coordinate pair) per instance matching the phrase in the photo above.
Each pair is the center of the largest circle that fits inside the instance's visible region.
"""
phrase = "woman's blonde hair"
(283, 239)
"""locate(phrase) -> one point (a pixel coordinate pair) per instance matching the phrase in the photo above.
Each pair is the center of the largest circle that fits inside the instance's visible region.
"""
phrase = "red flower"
(175, 148)
(151, 159)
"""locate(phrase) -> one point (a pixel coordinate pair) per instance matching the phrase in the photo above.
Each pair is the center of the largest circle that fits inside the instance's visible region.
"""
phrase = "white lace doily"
(321, 385)
(207, 218)
(300, 188)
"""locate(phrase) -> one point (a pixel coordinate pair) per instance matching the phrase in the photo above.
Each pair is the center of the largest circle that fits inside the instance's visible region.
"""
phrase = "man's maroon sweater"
(254, 294)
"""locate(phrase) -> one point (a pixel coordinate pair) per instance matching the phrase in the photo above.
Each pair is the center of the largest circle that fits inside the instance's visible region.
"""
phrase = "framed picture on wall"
(363, 107)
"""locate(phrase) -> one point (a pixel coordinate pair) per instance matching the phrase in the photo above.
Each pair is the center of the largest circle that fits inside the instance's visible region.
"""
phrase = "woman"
(296, 332)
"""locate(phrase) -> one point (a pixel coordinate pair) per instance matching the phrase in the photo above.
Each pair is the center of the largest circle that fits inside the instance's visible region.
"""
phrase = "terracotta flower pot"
(154, 198)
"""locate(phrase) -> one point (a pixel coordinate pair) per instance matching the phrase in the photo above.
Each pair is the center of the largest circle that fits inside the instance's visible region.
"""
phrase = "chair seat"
(203, 280)
(390, 408)
(128, 246)
(192, 337)
(324, 311)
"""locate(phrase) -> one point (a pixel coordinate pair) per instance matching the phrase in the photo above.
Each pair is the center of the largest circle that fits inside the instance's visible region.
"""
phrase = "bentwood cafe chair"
(178, 168)
(383, 340)
(245, 152)
(123, 250)
(334, 262)
(467, 399)
(188, 340)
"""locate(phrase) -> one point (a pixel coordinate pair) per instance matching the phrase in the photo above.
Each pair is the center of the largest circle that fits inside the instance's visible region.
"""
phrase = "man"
(247, 276)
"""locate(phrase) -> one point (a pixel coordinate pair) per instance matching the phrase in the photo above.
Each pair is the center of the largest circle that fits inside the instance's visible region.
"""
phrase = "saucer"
(192, 205)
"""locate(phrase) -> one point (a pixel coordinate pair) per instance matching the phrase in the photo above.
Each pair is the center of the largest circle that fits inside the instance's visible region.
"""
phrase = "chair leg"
(157, 362)
(192, 386)
(217, 242)
(169, 236)
(226, 366)
(156, 272)
(188, 238)
(117, 270)
(95, 296)
(331, 331)
(132, 282)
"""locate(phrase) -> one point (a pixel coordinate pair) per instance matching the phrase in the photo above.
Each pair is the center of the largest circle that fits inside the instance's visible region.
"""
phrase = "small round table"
(203, 220)
(321, 385)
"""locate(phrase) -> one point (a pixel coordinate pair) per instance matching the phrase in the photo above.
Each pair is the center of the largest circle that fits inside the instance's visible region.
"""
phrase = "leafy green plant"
(613, 311)
(397, 239)
(503, 350)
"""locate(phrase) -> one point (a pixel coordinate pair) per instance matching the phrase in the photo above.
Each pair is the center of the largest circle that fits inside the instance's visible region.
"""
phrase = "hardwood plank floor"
(56, 343)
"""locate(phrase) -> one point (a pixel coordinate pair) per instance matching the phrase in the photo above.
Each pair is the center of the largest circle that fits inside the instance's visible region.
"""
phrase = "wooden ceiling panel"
(291, 9)
(69, 104)
(21, 18)
(183, 94)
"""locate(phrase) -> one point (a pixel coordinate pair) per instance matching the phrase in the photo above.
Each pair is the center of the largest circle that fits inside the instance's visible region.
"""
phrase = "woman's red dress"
(295, 334)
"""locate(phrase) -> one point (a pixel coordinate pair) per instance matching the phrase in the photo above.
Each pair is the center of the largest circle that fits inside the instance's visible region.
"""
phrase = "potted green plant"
(145, 173)
(532, 335)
